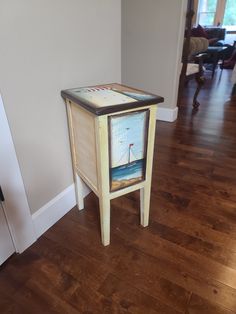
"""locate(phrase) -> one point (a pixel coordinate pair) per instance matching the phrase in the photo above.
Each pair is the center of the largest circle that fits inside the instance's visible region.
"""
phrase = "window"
(206, 12)
(217, 12)
(230, 14)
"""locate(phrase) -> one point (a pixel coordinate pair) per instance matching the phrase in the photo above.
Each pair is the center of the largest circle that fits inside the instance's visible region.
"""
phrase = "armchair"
(192, 47)
(192, 65)
(214, 35)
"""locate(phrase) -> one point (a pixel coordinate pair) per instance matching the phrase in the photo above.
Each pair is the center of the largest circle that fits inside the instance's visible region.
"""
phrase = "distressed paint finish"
(95, 148)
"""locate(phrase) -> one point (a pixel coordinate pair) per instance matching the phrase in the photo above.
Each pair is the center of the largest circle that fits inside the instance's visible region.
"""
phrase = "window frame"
(219, 13)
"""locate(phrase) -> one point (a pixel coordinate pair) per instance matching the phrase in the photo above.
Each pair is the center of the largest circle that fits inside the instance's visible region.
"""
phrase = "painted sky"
(125, 130)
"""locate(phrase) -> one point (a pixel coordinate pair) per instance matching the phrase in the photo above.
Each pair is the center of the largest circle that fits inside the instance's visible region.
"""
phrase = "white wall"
(46, 46)
(152, 40)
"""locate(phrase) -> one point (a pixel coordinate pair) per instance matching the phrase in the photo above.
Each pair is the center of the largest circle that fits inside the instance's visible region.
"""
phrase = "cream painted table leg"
(77, 179)
(145, 205)
(79, 192)
(145, 192)
(103, 177)
(104, 206)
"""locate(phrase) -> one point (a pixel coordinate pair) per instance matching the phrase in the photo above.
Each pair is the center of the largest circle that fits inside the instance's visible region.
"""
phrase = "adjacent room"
(117, 156)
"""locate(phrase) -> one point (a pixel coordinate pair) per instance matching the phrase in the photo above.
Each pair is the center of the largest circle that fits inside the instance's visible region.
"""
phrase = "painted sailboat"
(130, 160)
(127, 143)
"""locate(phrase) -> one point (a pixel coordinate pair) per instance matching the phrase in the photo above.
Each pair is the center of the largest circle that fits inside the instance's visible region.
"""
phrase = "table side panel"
(83, 124)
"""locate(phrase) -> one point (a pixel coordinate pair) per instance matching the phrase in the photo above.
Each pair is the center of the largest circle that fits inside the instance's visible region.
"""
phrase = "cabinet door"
(128, 148)
(6, 244)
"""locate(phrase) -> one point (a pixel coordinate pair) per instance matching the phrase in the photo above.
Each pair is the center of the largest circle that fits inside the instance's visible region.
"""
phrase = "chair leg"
(200, 82)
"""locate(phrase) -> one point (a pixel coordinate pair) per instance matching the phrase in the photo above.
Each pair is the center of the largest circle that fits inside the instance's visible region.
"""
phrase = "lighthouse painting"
(128, 141)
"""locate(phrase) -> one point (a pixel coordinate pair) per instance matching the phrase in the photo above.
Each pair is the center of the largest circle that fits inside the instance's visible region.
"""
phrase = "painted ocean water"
(129, 171)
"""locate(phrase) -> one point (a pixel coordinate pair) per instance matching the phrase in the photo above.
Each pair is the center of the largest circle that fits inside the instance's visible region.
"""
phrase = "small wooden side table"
(112, 132)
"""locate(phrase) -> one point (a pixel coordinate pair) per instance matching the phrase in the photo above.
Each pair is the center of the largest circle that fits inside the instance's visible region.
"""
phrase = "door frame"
(8, 246)
(16, 205)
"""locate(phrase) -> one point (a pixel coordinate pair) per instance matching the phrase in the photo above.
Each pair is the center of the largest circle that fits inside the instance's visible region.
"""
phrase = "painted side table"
(112, 132)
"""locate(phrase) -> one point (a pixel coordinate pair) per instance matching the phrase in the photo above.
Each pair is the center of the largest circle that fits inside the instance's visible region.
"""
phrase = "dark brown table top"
(109, 98)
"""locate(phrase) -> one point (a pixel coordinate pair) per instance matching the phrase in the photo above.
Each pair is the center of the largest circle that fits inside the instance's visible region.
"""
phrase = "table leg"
(79, 192)
(223, 61)
(214, 64)
(145, 193)
(104, 205)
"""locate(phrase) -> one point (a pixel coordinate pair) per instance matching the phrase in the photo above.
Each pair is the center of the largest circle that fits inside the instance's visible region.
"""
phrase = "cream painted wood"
(104, 208)
(80, 196)
(72, 148)
(89, 137)
(127, 190)
(6, 244)
(87, 182)
(83, 128)
(74, 128)
(145, 192)
(103, 176)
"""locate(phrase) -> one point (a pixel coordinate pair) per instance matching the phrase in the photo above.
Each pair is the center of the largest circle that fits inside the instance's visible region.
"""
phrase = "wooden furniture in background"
(105, 123)
(192, 59)
(196, 71)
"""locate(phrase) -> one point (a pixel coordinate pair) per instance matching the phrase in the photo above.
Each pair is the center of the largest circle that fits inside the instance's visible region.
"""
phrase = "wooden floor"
(184, 262)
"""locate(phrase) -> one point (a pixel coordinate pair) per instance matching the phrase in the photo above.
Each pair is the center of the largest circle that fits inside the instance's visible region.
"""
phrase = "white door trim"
(16, 204)
(6, 242)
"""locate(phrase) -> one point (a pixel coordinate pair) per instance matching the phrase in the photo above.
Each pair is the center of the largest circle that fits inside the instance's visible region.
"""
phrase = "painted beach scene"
(128, 140)
(102, 96)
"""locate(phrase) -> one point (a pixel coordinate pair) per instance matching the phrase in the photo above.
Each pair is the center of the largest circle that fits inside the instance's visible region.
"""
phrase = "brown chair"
(192, 58)
(195, 71)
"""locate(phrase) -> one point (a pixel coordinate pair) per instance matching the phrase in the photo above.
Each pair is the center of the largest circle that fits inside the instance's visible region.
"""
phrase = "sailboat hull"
(127, 174)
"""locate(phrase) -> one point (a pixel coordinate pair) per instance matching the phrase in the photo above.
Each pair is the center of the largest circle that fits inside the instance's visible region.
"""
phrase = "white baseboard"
(50, 213)
(167, 114)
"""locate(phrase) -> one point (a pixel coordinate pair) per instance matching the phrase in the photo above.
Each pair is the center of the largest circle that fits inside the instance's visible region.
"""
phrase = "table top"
(110, 98)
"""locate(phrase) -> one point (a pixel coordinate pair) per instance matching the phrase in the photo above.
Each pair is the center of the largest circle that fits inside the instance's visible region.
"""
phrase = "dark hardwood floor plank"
(40, 300)
(90, 244)
(199, 305)
(132, 299)
(145, 275)
(8, 305)
(16, 271)
(78, 266)
(181, 266)
(194, 219)
(75, 291)
(150, 242)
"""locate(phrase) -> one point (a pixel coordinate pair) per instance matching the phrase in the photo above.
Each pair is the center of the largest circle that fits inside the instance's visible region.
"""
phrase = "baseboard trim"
(167, 114)
(45, 217)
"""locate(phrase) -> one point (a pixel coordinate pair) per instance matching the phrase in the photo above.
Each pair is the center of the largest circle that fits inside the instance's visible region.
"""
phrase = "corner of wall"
(45, 217)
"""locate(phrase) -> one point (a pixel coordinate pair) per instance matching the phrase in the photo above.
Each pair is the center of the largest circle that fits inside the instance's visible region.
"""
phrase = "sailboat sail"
(132, 157)
(128, 156)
